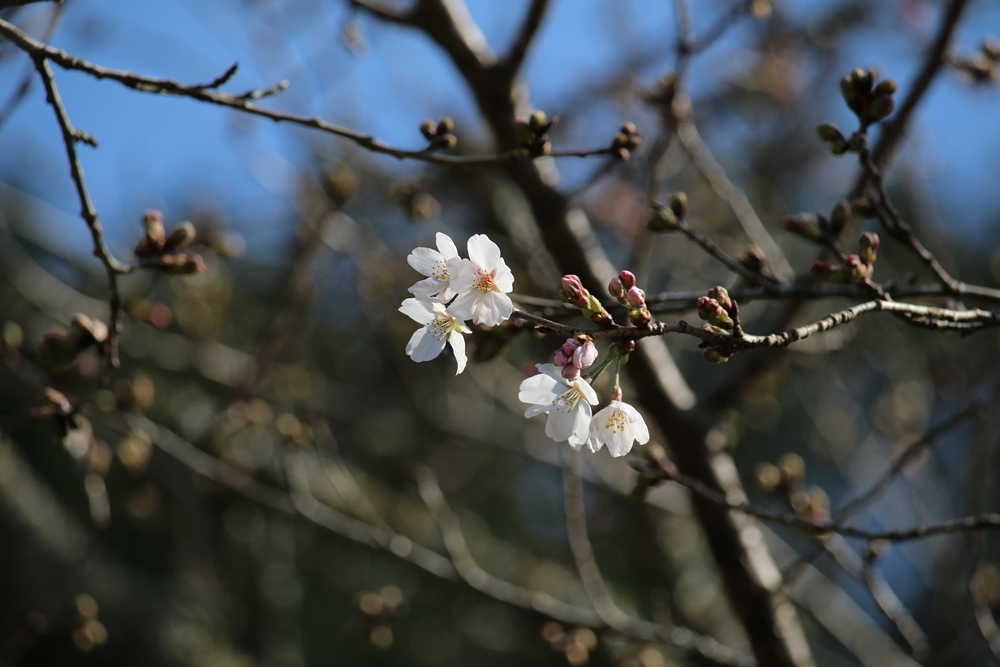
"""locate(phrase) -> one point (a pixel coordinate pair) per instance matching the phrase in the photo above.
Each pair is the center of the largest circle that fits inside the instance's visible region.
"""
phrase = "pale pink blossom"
(439, 329)
(440, 265)
(482, 284)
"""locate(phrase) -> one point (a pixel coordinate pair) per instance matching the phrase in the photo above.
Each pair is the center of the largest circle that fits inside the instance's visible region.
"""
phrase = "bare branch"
(733, 264)
(864, 570)
(894, 130)
(243, 103)
(717, 179)
(525, 36)
(895, 225)
(710, 651)
(113, 267)
(968, 524)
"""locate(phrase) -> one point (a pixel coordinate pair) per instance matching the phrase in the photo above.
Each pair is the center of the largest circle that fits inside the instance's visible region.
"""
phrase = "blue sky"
(157, 151)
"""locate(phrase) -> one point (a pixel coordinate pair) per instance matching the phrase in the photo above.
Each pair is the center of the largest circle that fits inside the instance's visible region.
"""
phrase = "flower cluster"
(567, 402)
(456, 290)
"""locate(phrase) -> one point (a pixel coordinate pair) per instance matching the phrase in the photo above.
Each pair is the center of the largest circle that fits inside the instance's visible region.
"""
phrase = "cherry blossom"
(482, 283)
(566, 402)
(617, 426)
(440, 265)
(439, 328)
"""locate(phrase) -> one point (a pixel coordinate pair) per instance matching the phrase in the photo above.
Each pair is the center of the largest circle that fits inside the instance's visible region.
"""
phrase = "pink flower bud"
(713, 313)
(615, 288)
(640, 317)
(627, 279)
(570, 372)
(868, 247)
(569, 347)
(585, 355)
(821, 271)
(854, 270)
(559, 358)
(634, 296)
(803, 224)
(573, 292)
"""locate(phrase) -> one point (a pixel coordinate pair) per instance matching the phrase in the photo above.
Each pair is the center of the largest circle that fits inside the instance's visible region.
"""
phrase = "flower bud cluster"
(753, 258)
(721, 316)
(856, 267)
(574, 293)
(60, 347)
(626, 140)
(532, 133)
(983, 67)
(870, 102)
(623, 288)
(788, 479)
(575, 355)
(160, 251)
(817, 227)
(439, 134)
(667, 218)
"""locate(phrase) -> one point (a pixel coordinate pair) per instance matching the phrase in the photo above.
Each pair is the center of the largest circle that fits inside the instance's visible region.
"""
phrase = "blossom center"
(440, 270)
(441, 327)
(484, 281)
(616, 421)
(567, 402)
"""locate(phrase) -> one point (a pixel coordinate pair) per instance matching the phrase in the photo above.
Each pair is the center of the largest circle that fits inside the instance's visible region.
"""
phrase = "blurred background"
(285, 358)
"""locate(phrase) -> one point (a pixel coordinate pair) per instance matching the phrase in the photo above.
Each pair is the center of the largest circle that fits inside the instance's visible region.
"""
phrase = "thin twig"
(737, 341)
(525, 36)
(968, 524)
(205, 93)
(898, 227)
(866, 572)
(710, 651)
(733, 264)
(724, 188)
(112, 266)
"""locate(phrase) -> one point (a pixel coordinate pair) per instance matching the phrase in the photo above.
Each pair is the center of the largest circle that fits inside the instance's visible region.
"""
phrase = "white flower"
(439, 328)
(440, 265)
(481, 284)
(567, 402)
(617, 426)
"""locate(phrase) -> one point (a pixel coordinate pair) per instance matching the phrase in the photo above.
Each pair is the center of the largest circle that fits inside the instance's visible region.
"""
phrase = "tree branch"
(512, 62)
(112, 266)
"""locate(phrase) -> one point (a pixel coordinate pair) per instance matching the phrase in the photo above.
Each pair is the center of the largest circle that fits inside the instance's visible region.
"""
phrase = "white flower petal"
(428, 287)
(619, 441)
(423, 260)
(463, 275)
(446, 246)
(581, 425)
(424, 345)
(418, 310)
(640, 430)
(561, 425)
(487, 310)
(588, 391)
(535, 410)
(539, 389)
(553, 372)
(457, 343)
(502, 306)
(504, 279)
(462, 307)
(593, 444)
(483, 252)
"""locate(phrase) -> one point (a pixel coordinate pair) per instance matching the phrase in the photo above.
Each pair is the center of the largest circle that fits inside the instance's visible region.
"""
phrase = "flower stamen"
(484, 281)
